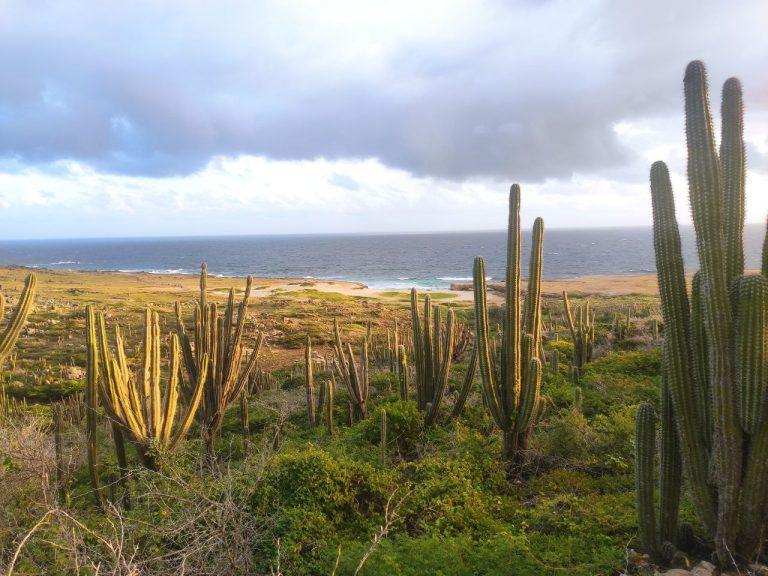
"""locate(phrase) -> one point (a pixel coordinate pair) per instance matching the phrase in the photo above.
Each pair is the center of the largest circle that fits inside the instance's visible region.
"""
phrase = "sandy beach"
(133, 282)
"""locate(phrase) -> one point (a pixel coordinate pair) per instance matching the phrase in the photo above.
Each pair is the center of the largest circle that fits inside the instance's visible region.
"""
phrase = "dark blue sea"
(432, 260)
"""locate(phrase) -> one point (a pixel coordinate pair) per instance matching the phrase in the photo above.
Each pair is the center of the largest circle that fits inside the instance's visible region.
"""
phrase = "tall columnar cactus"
(511, 381)
(354, 376)
(715, 346)
(18, 317)
(220, 338)
(582, 332)
(135, 401)
(433, 354)
(309, 382)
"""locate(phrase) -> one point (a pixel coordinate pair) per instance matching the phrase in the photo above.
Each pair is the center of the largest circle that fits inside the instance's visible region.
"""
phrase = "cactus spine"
(220, 340)
(511, 383)
(433, 352)
(715, 348)
(18, 317)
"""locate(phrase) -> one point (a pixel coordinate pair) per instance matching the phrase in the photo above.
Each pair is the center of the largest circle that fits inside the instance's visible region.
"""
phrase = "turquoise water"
(432, 260)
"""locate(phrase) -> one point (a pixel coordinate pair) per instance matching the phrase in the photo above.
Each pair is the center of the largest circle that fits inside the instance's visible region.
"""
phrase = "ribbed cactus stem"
(92, 404)
(706, 196)
(18, 318)
(645, 452)
(670, 468)
(734, 173)
(466, 387)
(751, 346)
(674, 304)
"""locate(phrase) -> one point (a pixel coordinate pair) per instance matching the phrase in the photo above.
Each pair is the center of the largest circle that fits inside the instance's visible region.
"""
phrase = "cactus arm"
(532, 307)
(20, 313)
(529, 398)
(645, 450)
(511, 369)
(469, 377)
(483, 343)
(91, 403)
(194, 404)
(674, 304)
(670, 468)
(751, 347)
(445, 368)
(734, 171)
(700, 356)
(171, 396)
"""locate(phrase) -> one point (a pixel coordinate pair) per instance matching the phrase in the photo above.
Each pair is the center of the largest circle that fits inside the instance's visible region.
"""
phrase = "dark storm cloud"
(526, 90)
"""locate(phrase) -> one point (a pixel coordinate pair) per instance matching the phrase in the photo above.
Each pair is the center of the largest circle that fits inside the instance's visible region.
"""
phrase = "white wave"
(456, 278)
(61, 263)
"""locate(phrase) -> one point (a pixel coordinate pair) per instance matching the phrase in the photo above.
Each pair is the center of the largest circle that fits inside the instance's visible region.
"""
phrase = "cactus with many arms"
(511, 382)
(354, 377)
(715, 347)
(220, 339)
(582, 332)
(136, 402)
(18, 317)
(433, 354)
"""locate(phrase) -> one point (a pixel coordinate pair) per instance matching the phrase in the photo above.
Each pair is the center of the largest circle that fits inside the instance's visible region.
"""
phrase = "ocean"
(427, 261)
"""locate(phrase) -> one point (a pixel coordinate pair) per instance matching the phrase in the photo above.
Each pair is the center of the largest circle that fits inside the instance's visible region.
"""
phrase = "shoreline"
(601, 285)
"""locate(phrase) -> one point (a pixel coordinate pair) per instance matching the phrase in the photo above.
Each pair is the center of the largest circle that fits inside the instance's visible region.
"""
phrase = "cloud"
(453, 90)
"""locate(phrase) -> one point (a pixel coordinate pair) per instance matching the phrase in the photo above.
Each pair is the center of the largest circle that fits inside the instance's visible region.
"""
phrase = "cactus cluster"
(433, 355)
(714, 347)
(136, 402)
(314, 406)
(220, 339)
(582, 333)
(352, 373)
(511, 381)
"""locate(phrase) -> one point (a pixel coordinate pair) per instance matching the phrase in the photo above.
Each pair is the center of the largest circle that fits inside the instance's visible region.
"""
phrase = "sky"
(165, 118)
